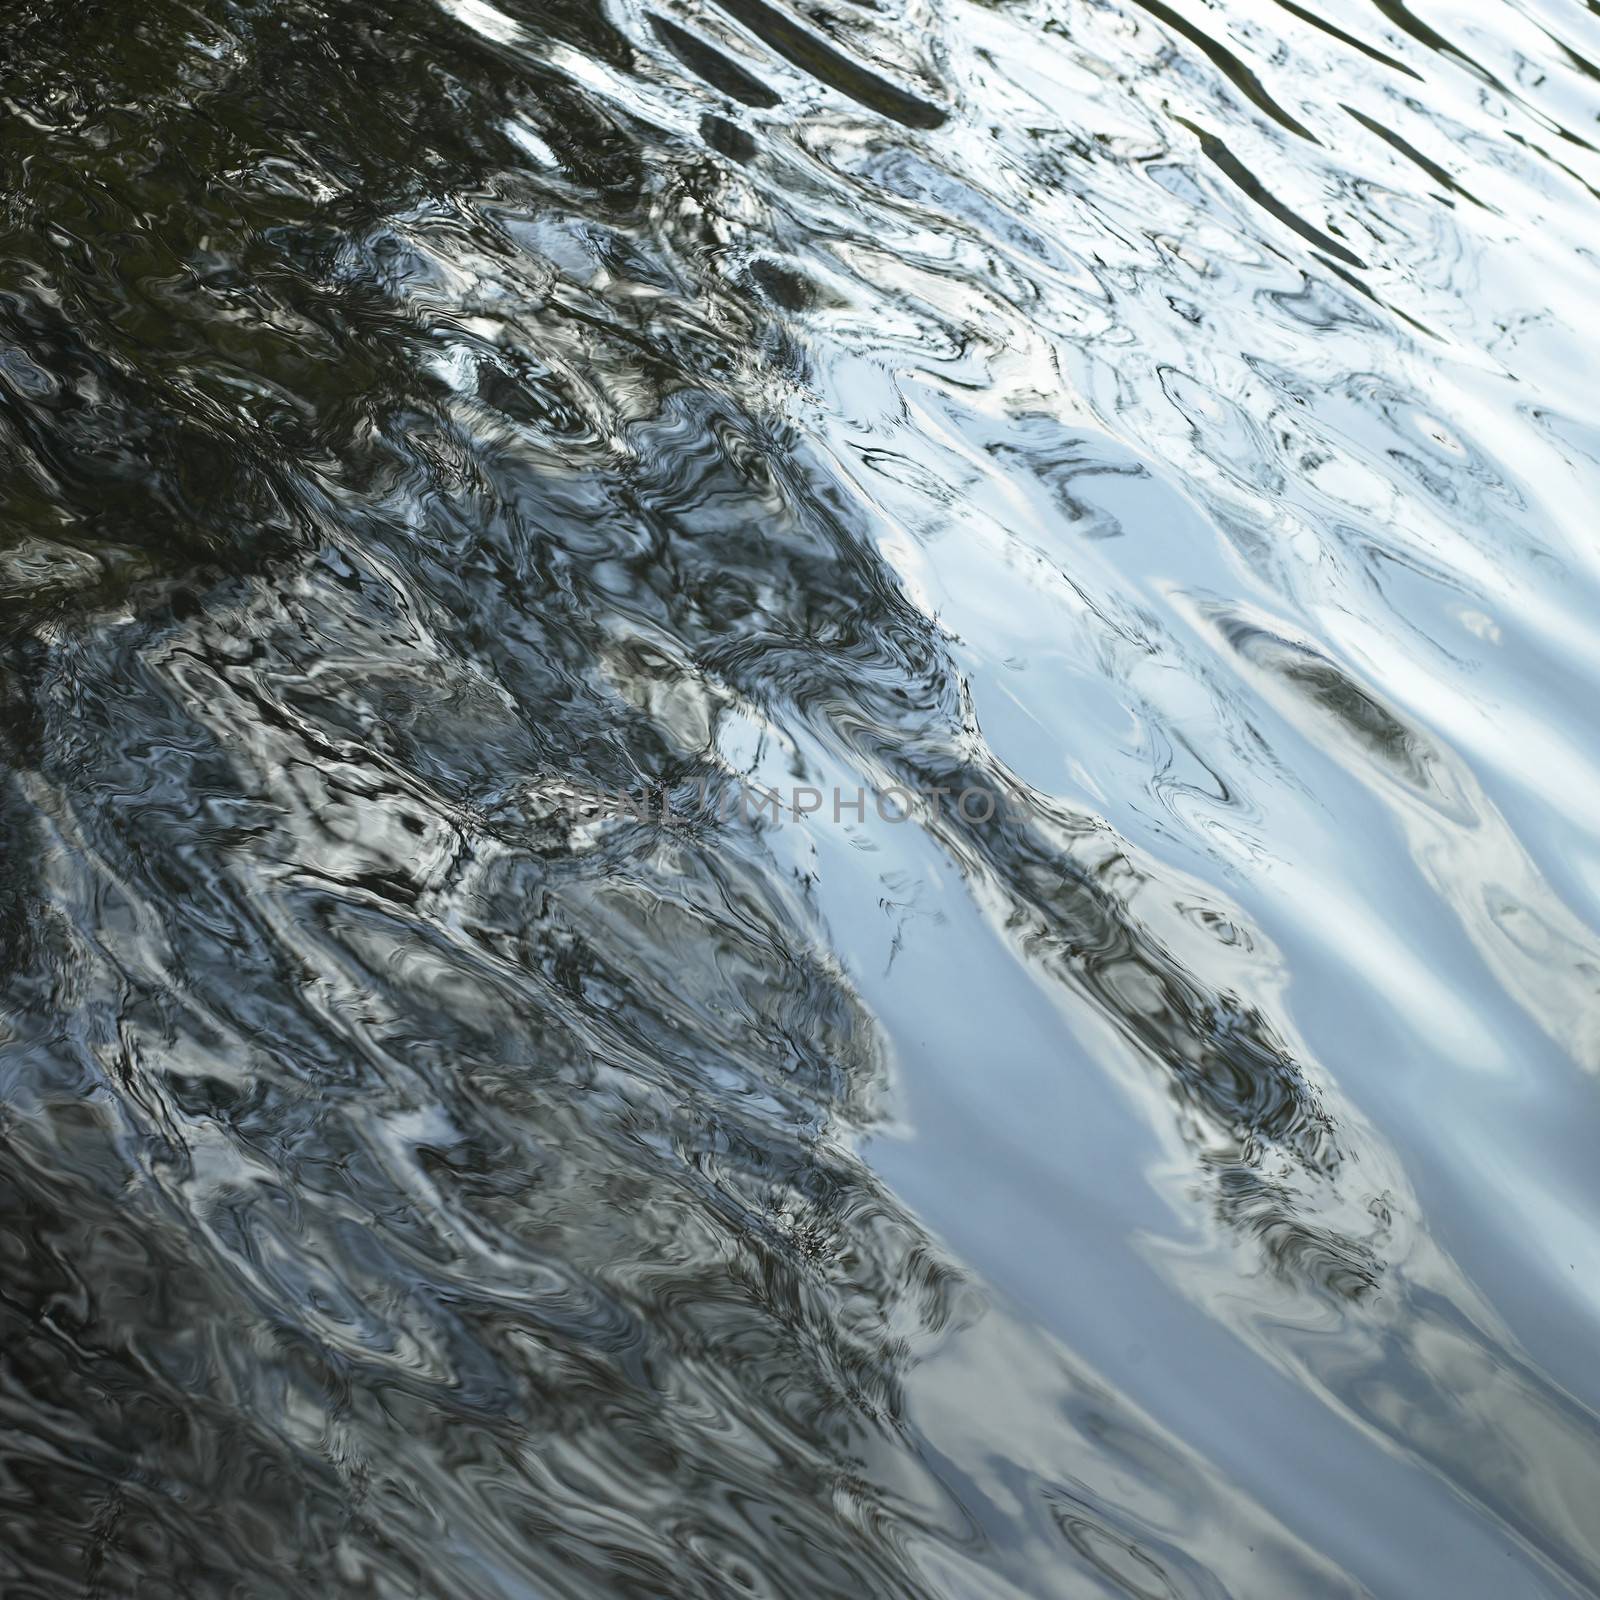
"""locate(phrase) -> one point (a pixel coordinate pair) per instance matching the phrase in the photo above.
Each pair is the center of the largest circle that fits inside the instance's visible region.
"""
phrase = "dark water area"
(1154, 443)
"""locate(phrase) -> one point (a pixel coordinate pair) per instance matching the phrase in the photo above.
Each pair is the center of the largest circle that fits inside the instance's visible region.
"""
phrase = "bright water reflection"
(1172, 420)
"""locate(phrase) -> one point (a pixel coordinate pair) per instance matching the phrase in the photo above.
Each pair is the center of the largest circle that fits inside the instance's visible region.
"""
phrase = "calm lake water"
(455, 455)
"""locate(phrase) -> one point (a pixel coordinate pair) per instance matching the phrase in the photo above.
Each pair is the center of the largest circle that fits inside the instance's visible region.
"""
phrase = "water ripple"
(1163, 426)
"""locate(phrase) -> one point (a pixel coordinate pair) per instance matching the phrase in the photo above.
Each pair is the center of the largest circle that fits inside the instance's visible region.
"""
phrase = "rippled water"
(1169, 422)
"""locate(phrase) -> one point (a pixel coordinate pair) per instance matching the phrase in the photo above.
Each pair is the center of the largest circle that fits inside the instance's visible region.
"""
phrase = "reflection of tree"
(405, 1190)
(857, 660)
(430, 1230)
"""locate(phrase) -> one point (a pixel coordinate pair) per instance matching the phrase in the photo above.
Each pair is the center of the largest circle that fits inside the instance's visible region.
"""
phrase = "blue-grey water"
(1160, 1165)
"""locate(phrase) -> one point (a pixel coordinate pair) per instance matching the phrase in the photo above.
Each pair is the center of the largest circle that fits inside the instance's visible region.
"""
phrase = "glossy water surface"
(1172, 422)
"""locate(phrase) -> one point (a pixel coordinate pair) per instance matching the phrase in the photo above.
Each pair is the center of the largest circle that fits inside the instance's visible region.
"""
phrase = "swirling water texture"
(1169, 419)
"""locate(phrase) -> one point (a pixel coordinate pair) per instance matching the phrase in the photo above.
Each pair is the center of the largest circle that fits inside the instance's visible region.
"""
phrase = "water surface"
(1171, 423)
